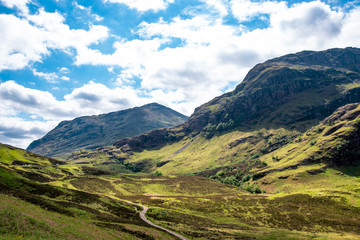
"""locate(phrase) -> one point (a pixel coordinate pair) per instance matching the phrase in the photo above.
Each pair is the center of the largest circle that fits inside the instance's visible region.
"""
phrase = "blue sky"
(60, 59)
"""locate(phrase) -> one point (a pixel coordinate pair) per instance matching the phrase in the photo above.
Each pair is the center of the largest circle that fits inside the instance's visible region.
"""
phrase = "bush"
(220, 173)
(246, 178)
(157, 173)
(209, 130)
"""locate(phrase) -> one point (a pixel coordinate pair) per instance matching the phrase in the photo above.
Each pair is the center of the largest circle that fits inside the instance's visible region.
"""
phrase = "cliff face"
(295, 91)
(91, 132)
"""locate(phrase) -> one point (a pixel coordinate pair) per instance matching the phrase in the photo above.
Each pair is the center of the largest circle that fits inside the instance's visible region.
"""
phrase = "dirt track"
(143, 217)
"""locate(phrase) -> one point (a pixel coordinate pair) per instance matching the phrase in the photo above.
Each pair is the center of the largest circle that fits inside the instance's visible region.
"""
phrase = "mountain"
(277, 101)
(321, 155)
(91, 132)
(295, 92)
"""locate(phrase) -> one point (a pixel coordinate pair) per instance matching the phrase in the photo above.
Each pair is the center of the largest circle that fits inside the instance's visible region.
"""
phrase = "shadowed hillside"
(91, 132)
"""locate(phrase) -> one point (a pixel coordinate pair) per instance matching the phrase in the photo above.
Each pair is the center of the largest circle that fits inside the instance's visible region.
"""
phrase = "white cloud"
(64, 70)
(65, 78)
(16, 99)
(220, 6)
(19, 4)
(144, 5)
(245, 10)
(28, 39)
(49, 77)
(19, 132)
(88, 11)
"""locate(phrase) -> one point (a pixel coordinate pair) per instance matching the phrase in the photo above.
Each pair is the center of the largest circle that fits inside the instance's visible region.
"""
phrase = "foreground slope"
(90, 132)
(42, 198)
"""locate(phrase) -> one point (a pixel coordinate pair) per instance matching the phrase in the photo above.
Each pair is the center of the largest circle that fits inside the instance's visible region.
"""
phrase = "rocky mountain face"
(91, 132)
(295, 92)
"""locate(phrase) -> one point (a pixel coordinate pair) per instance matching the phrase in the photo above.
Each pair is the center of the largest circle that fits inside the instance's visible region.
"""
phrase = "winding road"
(143, 217)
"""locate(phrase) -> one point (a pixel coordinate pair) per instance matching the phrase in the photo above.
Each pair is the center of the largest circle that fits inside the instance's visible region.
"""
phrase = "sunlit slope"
(43, 198)
(38, 201)
(70, 202)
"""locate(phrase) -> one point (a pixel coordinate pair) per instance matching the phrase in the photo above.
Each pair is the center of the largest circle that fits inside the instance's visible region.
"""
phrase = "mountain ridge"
(90, 132)
(295, 95)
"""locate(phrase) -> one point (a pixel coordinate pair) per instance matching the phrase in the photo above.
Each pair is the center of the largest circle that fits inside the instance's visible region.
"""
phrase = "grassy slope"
(192, 154)
(198, 207)
(315, 162)
(204, 153)
(65, 213)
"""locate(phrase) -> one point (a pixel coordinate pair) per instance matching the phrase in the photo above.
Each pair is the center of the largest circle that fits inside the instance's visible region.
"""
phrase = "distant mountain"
(294, 92)
(90, 132)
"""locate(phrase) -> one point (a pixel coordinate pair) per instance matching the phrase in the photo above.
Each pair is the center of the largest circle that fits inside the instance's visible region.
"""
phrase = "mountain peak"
(90, 132)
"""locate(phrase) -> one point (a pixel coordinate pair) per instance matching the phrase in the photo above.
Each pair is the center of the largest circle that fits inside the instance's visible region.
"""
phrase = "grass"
(202, 154)
(20, 220)
(297, 216)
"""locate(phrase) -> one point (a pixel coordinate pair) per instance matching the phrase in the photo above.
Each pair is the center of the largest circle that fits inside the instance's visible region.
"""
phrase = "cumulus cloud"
(49, 77)
(88, 11)
(19, 132)
(144, 5)
(220, 6)
(19, 4)
(245, 10)
(30, 38)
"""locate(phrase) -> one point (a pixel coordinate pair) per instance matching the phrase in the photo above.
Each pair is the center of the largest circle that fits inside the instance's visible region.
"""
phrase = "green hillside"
(91, 132)
(46, 199)
(277, 101)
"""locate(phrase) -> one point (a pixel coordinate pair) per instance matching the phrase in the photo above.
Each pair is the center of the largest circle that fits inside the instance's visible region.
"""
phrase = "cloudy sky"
(60, 59)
